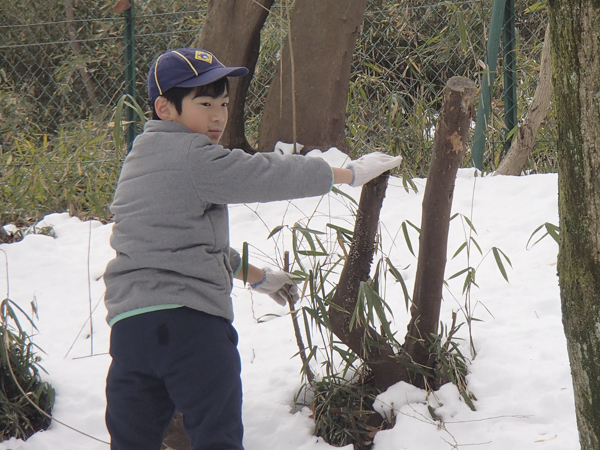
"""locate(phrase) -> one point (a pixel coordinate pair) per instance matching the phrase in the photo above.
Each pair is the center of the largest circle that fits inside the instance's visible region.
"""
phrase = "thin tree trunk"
(323, 37)
(575, 40)
(85, 76)
(522, 145)
(380, 359)
(232, 32)
(448, 153)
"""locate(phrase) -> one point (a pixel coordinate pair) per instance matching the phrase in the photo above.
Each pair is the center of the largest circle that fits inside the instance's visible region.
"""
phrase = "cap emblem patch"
(204, 56)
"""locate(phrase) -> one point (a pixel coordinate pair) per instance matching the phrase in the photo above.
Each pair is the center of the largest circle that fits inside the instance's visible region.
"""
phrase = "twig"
(90, 289)
(302, 350)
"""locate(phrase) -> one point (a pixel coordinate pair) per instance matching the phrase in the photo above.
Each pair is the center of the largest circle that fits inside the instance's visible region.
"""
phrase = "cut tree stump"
(450, 147)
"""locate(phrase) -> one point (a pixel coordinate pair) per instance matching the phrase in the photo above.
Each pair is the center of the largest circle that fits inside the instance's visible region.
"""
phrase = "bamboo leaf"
(460, 249)
(462, 29)
(553, 231)
(398, 276)
(533, 234)
(470, 224)
(336, 190)
(472, 239)
(407, 238)
(457, 274)
(497, 252)
(275, 230)
(245, 263)
(306, 231)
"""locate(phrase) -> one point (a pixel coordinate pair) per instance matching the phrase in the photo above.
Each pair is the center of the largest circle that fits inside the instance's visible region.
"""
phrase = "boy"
(168, 289)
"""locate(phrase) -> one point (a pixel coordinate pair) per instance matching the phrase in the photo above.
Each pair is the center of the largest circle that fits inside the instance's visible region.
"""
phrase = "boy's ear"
(164, 109)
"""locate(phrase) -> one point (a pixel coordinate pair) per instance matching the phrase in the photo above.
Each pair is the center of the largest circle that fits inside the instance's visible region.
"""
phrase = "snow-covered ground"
(521, 374)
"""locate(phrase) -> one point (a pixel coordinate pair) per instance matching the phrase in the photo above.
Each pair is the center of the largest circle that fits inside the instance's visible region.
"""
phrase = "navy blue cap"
(186, 67)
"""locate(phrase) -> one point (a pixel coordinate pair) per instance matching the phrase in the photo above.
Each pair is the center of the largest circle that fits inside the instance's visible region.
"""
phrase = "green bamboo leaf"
(307, 329)
(553, 231)
(460, 249)
(407, 238)
(407, 182)
(469, 223)
(462, 29)
(275, 230)
(467, 400)
(312, 253)
(245, 262)
(348, 234)
(533, 234)
(472, 239)
(414, 226)
(306, 231)
(398, 276)
(457, 274)
(469, 280)
(379, 305)
(336, 190)
(309, 358)
(497, 252)
(295, 250)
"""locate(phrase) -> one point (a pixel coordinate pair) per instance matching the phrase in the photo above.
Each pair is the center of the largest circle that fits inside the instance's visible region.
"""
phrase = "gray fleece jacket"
(171, 227)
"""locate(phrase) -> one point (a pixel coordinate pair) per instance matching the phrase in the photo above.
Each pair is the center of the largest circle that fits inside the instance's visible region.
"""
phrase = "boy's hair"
(175, 95)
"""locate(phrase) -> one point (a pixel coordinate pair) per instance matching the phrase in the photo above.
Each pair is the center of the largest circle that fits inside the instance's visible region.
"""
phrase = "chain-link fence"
(62, 72)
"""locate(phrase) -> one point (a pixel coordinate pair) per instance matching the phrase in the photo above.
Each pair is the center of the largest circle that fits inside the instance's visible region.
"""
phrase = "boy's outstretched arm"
(342, 176)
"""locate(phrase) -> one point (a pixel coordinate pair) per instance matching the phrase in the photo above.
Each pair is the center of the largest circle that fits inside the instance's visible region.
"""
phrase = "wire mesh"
(62, 72)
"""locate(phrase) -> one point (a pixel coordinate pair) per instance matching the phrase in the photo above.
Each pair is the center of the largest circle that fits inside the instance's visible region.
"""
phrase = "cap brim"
(213, 75)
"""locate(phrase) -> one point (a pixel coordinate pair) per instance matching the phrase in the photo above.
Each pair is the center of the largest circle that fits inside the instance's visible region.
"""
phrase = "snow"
(520, 376)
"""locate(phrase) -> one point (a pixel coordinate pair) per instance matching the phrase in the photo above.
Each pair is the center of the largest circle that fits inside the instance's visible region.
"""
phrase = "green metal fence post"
(487, 83)
(510, 71)
(130, 72)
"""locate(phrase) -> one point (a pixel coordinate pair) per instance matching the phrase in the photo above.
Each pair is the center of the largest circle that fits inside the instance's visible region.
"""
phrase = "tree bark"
(522, 145)
(575, 41)
(380, 359)
(85, 76)
(232, 32)
(176, 438)
(323, 37)
(448, 153)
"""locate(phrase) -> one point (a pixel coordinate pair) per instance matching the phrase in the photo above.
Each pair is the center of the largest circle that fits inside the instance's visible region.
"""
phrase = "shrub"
(25, 400)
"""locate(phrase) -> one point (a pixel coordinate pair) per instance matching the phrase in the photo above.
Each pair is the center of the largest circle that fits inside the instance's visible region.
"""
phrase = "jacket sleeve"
(226, 176)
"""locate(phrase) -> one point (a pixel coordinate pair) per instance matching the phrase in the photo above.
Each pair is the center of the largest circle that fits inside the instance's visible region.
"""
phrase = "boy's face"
(205, 115)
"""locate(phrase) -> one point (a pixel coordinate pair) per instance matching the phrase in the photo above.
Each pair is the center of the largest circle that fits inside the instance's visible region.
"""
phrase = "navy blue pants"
(174, 359)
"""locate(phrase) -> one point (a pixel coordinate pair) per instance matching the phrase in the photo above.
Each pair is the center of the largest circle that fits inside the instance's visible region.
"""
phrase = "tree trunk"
(232, 32)
(85, 76)
(448, 153)
(380, 359)
(176, 438)
(316, 80)
(522, 145)
(575, 41)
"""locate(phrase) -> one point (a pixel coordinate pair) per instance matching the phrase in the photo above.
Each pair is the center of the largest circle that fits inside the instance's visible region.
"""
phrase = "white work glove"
(371, 166)
(277, 285)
